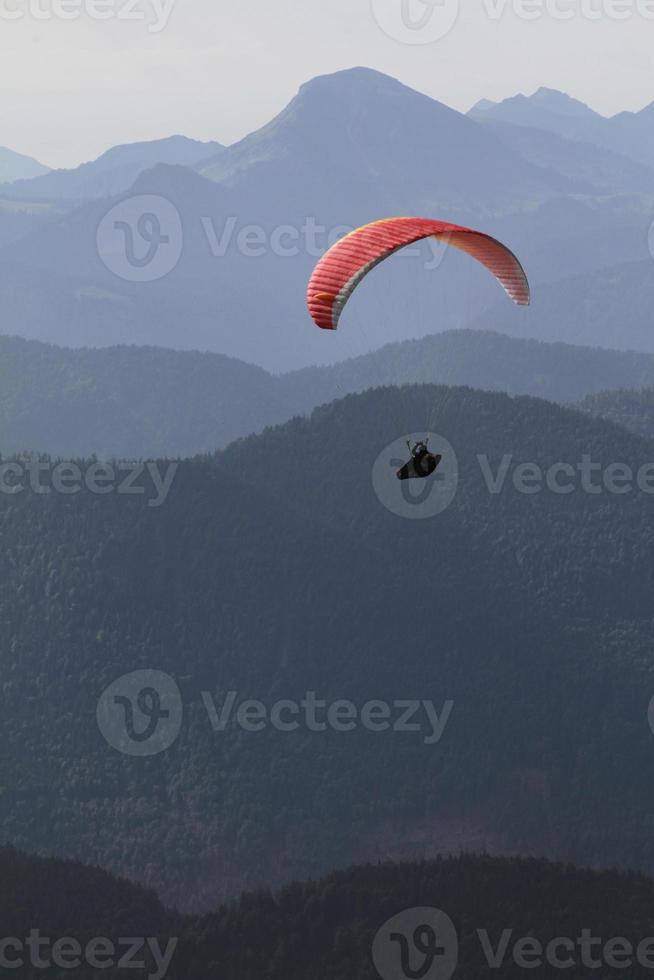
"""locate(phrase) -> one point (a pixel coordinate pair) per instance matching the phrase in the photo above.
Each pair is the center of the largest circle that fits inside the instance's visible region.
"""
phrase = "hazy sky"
(73, 84)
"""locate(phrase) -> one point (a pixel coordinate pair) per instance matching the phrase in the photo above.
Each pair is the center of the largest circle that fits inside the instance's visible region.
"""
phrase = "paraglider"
(422, 463)
(345, 265)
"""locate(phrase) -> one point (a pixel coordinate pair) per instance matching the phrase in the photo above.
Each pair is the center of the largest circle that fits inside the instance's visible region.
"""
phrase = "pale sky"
(217, 69)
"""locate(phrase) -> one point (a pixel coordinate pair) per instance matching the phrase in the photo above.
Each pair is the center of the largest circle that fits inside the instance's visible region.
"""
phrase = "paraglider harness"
(419, 449)
(422, 463)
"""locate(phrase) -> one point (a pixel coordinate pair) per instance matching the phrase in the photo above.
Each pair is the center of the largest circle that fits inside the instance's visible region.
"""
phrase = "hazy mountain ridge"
(608, 307)
(544, 104)
(112, 173)
(354, 120)
(131, 402)
(627, 133)
(350, 147)
(608, 171)
(16, 166)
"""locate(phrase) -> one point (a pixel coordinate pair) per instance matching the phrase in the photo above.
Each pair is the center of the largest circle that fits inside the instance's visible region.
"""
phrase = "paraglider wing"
(342, 268)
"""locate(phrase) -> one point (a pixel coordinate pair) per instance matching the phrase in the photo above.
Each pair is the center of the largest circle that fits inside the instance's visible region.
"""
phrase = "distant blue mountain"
(16, 166)
(368, 135)
(607, 307)
(628, 133)
(75, 403)
(350, 148)
(546, 109)
(112, 173)
(586, 164)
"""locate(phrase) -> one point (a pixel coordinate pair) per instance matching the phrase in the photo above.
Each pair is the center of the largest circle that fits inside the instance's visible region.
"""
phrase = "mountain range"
(607, 307)
(265, 692)
(254, 217)
(627, 133)
(112, 173)
(130, 402)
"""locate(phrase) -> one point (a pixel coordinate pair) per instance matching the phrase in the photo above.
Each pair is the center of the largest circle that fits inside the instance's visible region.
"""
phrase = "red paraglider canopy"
(342, 268)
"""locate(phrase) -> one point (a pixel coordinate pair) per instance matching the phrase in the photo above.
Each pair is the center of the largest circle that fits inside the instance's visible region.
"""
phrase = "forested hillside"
(132, 402)
(329, 929)
(632, 408)
(273, 570)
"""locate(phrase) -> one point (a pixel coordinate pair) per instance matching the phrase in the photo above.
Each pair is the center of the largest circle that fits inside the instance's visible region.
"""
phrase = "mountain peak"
(359, 75)
(358, 82)
(560, 102)
(547, 109)
(647, 111)
(115, 171)
(169, 149)
(16, 166)
(343, 94)
(360, 120)
(483, 105)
